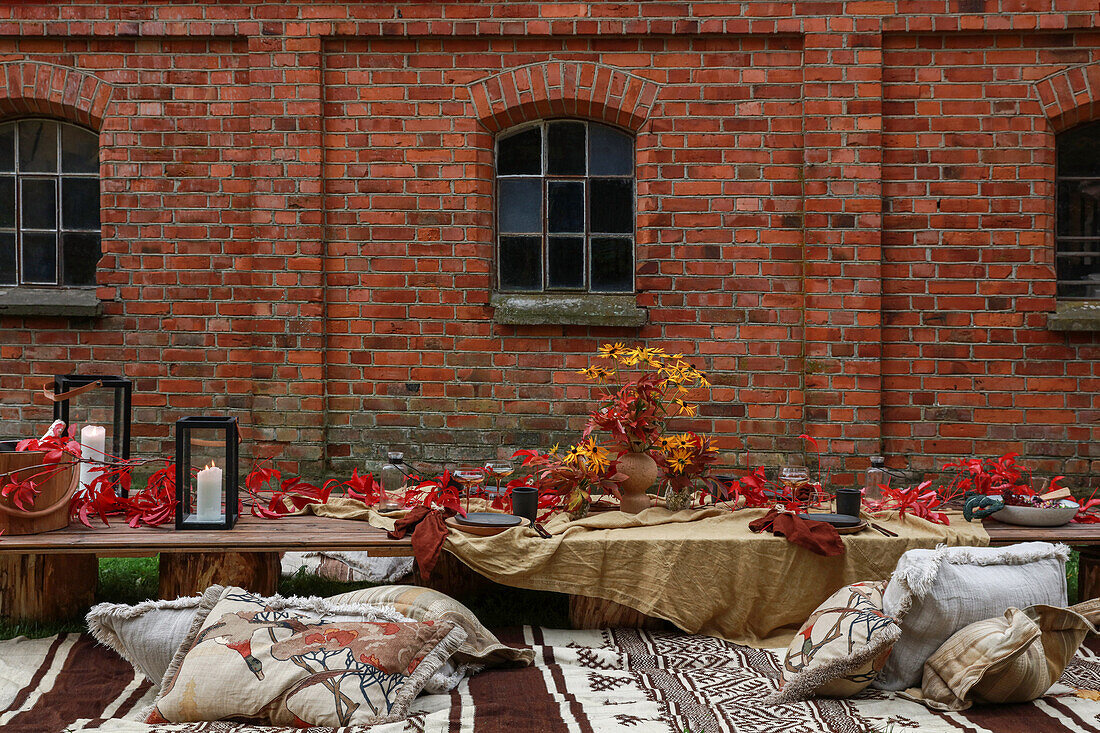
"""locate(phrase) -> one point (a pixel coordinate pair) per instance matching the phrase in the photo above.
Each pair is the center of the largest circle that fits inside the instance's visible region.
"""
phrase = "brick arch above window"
(563, 88)
(1070, 97)
(46, 90)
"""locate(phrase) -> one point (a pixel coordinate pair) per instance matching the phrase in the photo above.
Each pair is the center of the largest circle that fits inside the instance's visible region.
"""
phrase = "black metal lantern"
(206, 473)
(83, 400)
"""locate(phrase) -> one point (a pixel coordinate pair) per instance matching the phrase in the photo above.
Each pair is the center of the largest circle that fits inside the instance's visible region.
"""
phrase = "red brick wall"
(845, 216)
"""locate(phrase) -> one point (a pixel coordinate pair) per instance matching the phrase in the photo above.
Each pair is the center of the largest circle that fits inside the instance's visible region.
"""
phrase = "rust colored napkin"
(428, 532)
(818, 537)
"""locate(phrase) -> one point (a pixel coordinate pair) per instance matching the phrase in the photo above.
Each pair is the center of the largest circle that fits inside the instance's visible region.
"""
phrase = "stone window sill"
(1080, 316)
(72, 302)
(580, 309)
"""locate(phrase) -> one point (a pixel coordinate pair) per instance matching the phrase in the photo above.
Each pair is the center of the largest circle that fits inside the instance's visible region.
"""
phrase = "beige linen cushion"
(841, 647)
(285, 662)
(934, 593)
(146, 635)
(1014, 658)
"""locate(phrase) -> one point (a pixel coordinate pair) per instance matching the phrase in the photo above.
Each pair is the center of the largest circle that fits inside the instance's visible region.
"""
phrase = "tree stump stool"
(597, 613)
(189, 574)
(47, 587)
(1088, 574)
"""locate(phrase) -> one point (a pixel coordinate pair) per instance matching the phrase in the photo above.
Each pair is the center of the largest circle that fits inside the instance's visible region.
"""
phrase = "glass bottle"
(876, 476)
(393, 479)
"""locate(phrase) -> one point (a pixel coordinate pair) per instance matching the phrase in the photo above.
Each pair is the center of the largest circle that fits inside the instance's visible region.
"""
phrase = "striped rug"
(619, 681)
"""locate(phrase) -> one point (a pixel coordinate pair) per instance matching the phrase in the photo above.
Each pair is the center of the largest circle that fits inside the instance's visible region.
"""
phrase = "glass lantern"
(99, 408)
(206, 473)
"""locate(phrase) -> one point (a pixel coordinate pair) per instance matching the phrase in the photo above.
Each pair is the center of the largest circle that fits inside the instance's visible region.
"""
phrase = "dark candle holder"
(202, 504)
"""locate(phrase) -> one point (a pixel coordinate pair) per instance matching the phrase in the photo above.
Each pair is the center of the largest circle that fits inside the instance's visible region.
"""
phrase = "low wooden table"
(52, 575)
(1082, 537)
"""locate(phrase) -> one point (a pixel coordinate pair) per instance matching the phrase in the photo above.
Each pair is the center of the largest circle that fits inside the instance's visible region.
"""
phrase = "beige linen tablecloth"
(701, 569)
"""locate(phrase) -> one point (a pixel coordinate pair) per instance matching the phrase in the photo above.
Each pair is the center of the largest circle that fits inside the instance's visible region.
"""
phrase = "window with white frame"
(1077, 217)
(49, 204)
(565, 208)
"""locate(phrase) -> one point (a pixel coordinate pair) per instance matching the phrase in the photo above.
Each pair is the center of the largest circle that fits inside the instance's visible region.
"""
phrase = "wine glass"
(499, 470)
(794, 478)
(469, 477)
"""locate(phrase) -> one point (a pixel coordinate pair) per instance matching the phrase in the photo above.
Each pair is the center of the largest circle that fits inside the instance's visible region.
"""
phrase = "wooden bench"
(52, 575)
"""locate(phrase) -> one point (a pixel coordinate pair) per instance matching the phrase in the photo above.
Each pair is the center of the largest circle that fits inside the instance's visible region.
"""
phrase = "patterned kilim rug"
(620, 681)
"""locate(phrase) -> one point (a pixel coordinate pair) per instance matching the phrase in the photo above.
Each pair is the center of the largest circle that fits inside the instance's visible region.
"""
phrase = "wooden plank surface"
(1071, 534)
(292, 534)
(316, 533)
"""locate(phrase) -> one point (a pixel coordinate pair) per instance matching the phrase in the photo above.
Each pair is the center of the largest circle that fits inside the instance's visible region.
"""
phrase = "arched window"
(1078, 212)
(565, 208)
(49, 204)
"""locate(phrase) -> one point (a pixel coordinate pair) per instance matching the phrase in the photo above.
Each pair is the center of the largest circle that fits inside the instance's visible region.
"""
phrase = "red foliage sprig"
(920, 501)
(292, 495)
(1001, 475)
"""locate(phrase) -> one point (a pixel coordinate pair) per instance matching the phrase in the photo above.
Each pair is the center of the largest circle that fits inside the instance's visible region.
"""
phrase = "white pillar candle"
(93, 438)
(208, 494)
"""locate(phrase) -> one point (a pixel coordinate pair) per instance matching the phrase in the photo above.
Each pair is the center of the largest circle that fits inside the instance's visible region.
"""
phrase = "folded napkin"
(428, 532)
(818, 537)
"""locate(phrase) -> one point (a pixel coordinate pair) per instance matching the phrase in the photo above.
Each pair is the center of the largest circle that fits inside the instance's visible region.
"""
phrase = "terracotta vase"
(641, 472)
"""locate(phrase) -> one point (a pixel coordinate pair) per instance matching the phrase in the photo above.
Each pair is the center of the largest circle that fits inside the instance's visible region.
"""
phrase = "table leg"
(47, 587)
(1088, 574)
(190, 573)
(597, 613)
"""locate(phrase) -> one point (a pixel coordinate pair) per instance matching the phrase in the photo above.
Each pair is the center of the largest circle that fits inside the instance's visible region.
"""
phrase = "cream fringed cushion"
(146, 635)
(841, 647)
(284, 662)
(934, 593)
(1015, 658)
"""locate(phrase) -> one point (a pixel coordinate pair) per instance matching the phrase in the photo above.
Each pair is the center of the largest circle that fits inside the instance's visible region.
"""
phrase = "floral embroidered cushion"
(263, 660)
(841, 648)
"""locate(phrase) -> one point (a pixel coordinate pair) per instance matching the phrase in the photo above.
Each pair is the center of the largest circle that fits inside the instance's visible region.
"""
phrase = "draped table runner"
(701, 569)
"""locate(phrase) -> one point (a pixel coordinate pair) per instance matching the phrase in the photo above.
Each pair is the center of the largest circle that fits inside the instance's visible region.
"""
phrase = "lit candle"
(208, 494)
(93, 438)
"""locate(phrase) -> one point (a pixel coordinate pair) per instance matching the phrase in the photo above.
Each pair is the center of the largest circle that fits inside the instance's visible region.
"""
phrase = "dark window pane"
(1079, 151)
(1079, 208)
(39, 203)
(80, 253)
(7, 258)
(521, 263)
(611, 205)
(565, 149)
(612, 264)
(521, 205)
(79, 150)
(80, 203)
(566, 207)
(611, 153)
(38, 146)
(40, 258)
(7, 147)
(565, 262)
(520, 153)
(7, 202)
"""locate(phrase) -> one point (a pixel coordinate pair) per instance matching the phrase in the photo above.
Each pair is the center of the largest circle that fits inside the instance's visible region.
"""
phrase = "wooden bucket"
(51, 506)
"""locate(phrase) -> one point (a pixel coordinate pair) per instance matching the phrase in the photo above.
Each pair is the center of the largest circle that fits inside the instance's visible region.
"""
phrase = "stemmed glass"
(794, 478)
(469, 477)
(499, 470)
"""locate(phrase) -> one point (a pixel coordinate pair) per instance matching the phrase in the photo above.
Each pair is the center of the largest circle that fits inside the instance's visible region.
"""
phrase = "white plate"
(1030, 516)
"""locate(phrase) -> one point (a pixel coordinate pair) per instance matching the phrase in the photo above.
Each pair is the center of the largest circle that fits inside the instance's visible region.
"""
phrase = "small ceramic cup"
(848, 501)
(525, 502)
